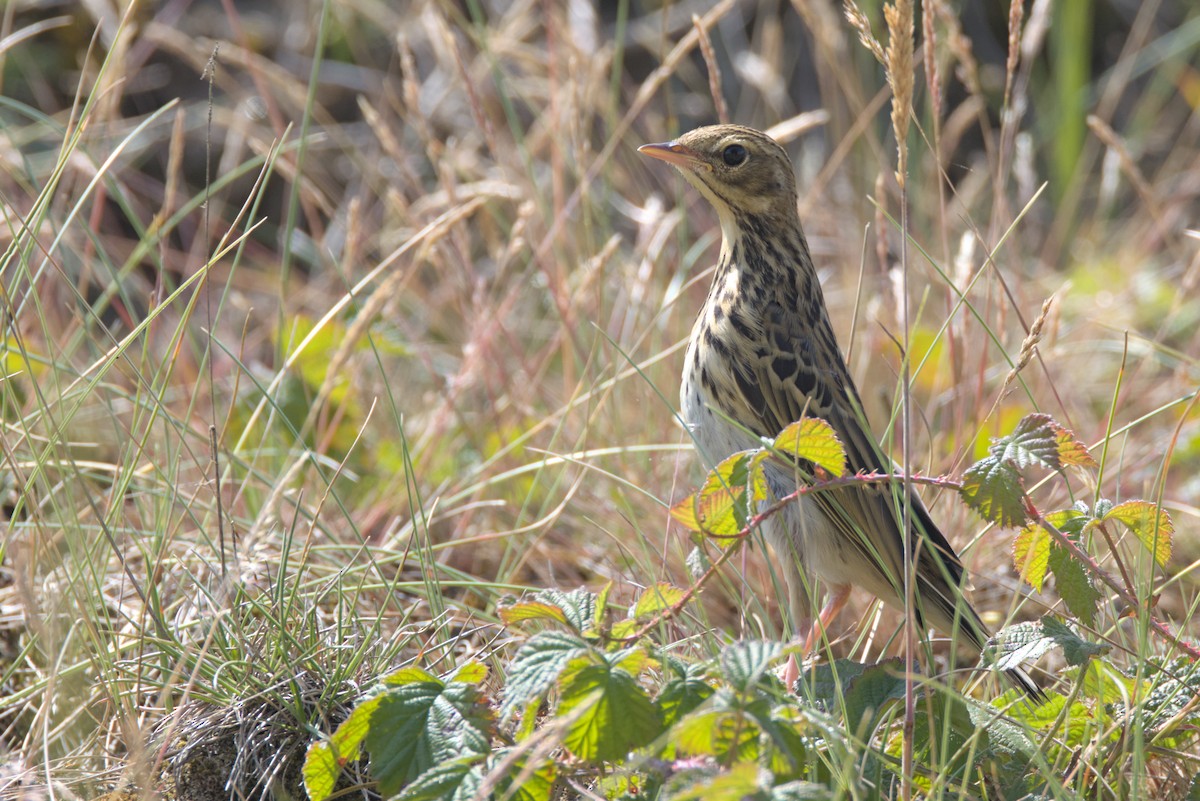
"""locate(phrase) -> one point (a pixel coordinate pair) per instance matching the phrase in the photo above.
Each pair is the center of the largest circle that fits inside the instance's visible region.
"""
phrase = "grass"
(406, 270)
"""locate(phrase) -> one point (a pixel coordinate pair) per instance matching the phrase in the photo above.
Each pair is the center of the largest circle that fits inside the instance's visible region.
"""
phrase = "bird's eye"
(734, 155)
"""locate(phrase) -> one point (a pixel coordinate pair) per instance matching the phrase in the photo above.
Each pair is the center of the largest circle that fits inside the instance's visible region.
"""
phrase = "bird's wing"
(791, 381)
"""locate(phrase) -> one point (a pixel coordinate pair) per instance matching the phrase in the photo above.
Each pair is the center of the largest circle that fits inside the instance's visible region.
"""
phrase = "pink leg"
(838, 596)
(791, 672)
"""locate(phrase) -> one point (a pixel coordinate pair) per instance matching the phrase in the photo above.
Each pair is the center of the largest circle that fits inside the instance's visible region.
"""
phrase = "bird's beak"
(677, 154)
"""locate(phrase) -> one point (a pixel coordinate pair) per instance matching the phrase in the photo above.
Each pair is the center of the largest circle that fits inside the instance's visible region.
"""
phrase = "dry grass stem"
(714, 70)
(901, 77)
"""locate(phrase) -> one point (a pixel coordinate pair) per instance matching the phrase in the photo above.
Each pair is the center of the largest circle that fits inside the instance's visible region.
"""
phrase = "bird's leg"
(838, 595)
(791, 671)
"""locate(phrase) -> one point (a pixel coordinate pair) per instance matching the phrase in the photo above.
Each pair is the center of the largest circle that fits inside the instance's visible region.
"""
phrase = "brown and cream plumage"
(762, 355)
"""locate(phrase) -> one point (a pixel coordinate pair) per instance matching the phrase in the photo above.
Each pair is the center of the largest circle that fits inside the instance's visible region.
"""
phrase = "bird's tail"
(1021, 680)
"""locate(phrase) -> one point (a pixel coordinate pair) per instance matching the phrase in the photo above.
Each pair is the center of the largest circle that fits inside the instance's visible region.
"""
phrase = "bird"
(763, 354)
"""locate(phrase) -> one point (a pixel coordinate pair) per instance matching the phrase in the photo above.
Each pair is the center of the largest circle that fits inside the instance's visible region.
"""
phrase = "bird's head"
(740, 170)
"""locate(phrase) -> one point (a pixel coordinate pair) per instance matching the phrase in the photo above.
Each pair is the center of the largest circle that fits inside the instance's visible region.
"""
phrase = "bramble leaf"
(741, 781)
(1149, 523)
(1071, 451)
(814, 440)
(1039, 440)
(1075, 648)
(1023, 642)
(451, 780)
(1034, 545)
(610, 713)
(730, 496)
(744, 663)
(993, 488)
(537, 665)
(719, 731)
(1074, 585)
(1031, 554)
(1033, 442)
(531, 610)
(418, 723)
(655, 599)
(538, 786)
(686, 689)
(326, 758)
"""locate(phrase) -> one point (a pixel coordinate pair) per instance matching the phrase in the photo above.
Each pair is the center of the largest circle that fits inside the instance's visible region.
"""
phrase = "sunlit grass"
(430, 306)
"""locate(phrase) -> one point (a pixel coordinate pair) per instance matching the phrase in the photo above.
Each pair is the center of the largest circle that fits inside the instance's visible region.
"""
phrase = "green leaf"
(815, 441)
(1034, 544)
(634, 660)
(787, 733)
(470, 672)
(610, 713)
(447, 781)
(730, 496)
(1031, 554)
(725, 734)
(656, 599)
(739, 783)
(1075, 648)
(744, 663)
(326, 758)
(531, 610)
(579, 606)
(686, 689)
(321, 770)
(1013, 645)
(1169, 709)
(409, 675)
(418, 723)
(1023, 642)
(942, 731)
(863, 691)
(1149, 523)
(535, 785)
(993, 488)
(1038, 440)
(870, 693)
(829, 681)
(537, 665)
(1033, 442)
(601, 607)
(1074, 585)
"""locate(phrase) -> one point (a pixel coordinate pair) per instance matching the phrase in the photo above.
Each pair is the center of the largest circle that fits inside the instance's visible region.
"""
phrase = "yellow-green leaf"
(1031, 554)
(326, 758)
(730, 495)
(815, 440)
(601, 606)
(655, 599)
(410, 675)
(471, 672)
(624, 628)
(1149, 523)
(610, 714)
(684, 513)
(531, 610)
(1071, 451)
(739, 781)
(635, 662)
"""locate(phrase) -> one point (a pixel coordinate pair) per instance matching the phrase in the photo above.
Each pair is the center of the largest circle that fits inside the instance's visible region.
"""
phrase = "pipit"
(763, 355)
